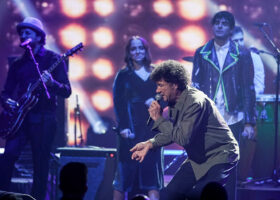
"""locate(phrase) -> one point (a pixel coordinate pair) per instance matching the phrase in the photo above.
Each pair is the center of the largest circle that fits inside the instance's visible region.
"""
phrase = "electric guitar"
(12, 118)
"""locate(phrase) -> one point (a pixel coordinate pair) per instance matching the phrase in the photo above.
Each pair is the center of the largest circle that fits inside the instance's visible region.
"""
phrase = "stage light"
(73, 8)
(44, 4)
(163, 7)
(191, 9)
(102, 100)
(162, 38)
(102, 68)
(72, 34)
(103, 7)
(103, 37)
(77, 68)
(190, 38)
(222, 7)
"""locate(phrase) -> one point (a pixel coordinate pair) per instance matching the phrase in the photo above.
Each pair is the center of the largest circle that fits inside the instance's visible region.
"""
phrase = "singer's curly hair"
(172, 71)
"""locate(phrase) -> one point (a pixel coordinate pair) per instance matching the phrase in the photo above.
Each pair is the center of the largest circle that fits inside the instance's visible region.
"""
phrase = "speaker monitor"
(101, 166)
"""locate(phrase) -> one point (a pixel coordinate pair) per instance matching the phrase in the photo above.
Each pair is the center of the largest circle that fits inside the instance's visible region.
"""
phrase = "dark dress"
(130, 93)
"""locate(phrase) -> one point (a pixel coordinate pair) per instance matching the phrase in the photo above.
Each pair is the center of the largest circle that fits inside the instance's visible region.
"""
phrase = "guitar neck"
(36, 84)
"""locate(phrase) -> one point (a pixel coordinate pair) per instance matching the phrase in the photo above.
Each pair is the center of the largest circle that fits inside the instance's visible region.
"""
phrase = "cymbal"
(188, 58)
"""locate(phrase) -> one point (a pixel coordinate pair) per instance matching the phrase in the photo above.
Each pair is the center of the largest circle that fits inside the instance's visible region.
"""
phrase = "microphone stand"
(38, 70)
(77, 115)
(275, 173)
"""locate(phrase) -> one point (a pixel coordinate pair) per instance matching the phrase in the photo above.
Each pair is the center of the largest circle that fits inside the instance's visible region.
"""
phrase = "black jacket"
(236, 78)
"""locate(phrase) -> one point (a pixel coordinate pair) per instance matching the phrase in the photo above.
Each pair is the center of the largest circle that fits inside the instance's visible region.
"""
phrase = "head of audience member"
(222, 25)
(171, 78)
(140, 197)
(14, 196)
(238, 35)
(214, 190)
(73, 181)
(137, 51)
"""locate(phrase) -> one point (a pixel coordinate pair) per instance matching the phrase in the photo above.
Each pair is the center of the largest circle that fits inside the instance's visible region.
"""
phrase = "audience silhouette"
(73, 181)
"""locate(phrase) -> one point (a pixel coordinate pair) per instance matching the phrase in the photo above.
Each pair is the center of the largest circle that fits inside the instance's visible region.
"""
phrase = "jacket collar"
(174, 110)
(209, 54)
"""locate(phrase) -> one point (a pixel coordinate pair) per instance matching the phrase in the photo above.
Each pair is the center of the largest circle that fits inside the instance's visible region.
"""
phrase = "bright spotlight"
(103, 37)
(102, 100)
(72, 34)
(222, 7)
(163, 7)
(102, 68)
(192, 9)
(73, 8)
(77, 68)
(103, 7)
(190, 38)
(162, 38)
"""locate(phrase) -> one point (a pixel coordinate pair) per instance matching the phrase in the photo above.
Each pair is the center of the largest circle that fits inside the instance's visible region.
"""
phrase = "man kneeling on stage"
(194, 123)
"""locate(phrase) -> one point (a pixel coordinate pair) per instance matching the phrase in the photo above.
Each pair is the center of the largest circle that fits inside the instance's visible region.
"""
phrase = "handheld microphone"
(117, 130)
(26, 42)
(157, 98)
(260, 24)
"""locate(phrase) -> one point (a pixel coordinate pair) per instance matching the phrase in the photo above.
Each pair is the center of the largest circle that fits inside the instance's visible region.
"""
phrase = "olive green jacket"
(196, 124)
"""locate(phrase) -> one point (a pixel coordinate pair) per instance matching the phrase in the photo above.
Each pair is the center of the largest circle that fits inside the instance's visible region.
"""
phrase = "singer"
(39, 125)
(195, 124)
(133, 93)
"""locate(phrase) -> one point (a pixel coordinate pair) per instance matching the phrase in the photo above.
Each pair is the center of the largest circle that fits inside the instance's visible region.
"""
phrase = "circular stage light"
(163, 7)
(103, 37)
(103, 7)
(190, 38)
(162, 38)
(73, 8)
(102, 68)
(102, 100)
(192, 9)
(72, 35)
(77, 68)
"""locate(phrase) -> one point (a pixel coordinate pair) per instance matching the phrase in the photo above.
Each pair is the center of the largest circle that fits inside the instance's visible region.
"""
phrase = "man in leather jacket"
(224, 71)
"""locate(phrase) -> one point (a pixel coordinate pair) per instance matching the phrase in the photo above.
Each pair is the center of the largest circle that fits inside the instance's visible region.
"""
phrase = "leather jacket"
(236, 78)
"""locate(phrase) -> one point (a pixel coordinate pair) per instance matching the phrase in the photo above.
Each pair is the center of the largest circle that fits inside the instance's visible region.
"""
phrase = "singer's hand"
(140, 150)
(126, 133)
(47, 78)
(155, 110)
